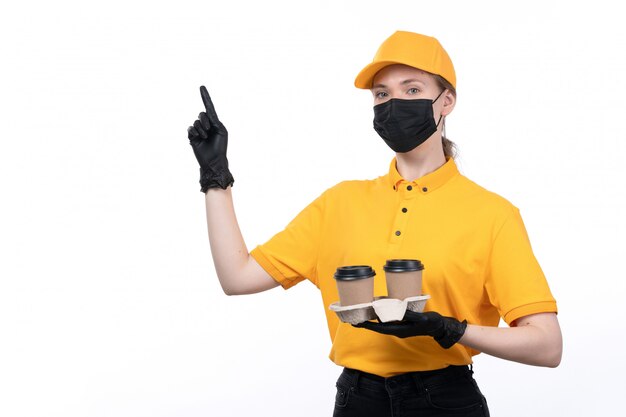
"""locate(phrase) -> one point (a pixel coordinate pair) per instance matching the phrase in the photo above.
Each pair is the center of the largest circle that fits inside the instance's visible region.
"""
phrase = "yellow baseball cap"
(412, 49)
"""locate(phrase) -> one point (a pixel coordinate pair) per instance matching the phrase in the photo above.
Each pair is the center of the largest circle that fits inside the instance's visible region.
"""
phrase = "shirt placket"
(408, 193)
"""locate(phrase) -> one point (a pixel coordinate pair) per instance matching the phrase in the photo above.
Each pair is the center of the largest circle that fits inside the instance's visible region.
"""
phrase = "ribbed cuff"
(215, 178)
(453, 331)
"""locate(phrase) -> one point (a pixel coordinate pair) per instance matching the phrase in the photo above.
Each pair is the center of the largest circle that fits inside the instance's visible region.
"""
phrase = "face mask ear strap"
(439, 121)
(442, 91)
(440, 116)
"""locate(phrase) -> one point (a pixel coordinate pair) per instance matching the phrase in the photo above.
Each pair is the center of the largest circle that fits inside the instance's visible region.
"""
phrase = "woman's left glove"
(445, 330)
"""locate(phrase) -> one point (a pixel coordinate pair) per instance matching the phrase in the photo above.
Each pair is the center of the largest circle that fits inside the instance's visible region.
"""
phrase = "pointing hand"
(209, 139)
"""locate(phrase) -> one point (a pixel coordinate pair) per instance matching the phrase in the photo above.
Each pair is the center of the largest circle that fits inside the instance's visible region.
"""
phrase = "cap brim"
(366, 76)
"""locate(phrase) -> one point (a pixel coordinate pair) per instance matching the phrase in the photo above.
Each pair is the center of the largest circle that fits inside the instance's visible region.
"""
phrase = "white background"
(109, 303)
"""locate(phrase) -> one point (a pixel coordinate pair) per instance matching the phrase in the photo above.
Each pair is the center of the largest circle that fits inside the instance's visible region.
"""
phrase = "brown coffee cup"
(404, 278)
(355, 284)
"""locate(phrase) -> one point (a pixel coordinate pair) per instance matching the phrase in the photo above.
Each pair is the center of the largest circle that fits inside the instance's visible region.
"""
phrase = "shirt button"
(404, 210)
(394, 187)
(409, 188)
(397, 233)
(424, 189)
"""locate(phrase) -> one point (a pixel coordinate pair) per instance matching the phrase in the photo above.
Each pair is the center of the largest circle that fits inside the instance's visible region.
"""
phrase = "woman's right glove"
(445, 330)
(209, 139)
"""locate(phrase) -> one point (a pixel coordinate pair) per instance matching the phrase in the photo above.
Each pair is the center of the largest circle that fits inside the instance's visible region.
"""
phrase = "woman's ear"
(449, 100)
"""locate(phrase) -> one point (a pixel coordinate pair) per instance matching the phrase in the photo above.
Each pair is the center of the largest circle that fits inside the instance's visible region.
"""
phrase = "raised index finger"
(208, 105)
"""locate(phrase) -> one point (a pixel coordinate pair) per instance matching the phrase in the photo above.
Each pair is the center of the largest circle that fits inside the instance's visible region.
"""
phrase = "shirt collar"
(428, 182)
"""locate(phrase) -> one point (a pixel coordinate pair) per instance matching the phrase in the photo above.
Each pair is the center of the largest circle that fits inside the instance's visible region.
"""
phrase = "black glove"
(209, 138)
(445, 330)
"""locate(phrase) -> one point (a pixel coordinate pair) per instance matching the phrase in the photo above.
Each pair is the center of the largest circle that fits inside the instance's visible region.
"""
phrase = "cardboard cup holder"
(384, 308)
(354, 314)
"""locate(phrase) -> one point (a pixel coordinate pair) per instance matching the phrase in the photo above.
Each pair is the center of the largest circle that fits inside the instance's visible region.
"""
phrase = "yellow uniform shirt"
(479, 265)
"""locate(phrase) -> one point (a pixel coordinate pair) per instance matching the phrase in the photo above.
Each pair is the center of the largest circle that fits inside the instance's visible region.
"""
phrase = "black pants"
(451, 391)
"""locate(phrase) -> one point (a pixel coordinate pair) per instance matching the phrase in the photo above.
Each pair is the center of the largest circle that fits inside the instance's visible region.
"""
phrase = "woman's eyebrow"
(405, 82)
(412, 80)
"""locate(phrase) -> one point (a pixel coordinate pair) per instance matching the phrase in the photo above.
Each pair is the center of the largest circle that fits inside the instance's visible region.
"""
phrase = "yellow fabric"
(479, 264)
(412, 49)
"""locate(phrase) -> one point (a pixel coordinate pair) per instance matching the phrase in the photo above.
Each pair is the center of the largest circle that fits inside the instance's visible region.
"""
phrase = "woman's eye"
(413, 91)
(381, 94)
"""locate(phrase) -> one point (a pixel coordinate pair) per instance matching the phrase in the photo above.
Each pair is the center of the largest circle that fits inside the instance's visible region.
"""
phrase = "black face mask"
(405, 124)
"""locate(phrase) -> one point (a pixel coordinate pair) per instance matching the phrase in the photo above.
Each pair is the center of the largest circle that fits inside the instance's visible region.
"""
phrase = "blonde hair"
(449, 147)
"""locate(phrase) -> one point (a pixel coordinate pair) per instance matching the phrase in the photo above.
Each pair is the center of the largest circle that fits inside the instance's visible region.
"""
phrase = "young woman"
(479, 262)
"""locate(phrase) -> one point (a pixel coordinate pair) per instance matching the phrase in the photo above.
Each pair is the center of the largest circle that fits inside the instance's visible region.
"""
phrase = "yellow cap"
(412, 49)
